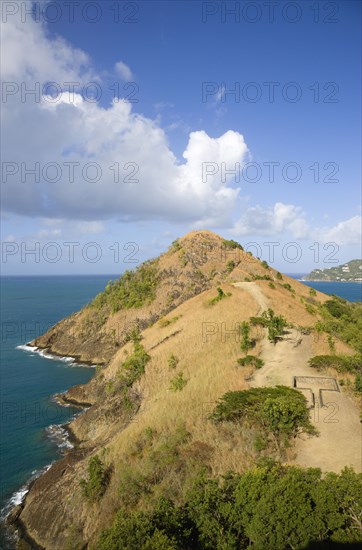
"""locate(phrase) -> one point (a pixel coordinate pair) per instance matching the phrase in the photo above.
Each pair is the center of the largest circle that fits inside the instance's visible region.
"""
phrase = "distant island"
(349, 272)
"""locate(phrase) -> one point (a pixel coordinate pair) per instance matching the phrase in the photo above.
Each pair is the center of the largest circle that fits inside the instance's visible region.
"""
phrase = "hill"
(351, 271)
(207, 364)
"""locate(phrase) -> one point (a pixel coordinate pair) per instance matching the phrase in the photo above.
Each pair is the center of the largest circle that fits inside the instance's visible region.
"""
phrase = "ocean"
(348, 291)
(31, 433)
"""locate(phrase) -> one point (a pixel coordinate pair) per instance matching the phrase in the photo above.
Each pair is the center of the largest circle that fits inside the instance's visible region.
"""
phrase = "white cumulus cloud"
(275, 220)
(92, 162)
(123, 70)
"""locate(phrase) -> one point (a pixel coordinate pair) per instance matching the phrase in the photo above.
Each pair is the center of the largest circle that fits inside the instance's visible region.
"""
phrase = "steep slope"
(138, 425)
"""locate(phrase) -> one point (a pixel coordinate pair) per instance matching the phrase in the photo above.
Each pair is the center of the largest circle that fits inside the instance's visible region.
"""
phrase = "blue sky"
(183, 59)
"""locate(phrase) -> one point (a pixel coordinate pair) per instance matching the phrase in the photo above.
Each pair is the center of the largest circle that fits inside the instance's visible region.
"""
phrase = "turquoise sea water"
(30, 305)
(30, 436)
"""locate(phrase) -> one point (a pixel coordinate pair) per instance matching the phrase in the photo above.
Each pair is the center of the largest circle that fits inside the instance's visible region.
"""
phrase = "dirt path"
(333, 413)
(256, 293)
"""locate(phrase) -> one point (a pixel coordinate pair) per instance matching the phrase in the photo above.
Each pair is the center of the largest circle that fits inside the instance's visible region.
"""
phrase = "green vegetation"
(220, 296)
(288, 287)
(134, 289)
(230, 266)
(279, 276)
(342, 320)
(312, 292)
(351, 364)
(173, 361)
(265, 264)
(261, 277)
(175, 246)
(269, 507)
(272, 285)
(94, 488)
(274, 323)
(231, 244)
(351, 271)
(178, 382)
(246, 342)
(310, 309)
(166, 322)
(134, 366)
(281, 410)
(183, 258)
(251, 360)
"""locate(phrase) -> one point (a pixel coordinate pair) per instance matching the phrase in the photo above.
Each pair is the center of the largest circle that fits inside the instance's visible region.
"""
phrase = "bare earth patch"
(335, 416)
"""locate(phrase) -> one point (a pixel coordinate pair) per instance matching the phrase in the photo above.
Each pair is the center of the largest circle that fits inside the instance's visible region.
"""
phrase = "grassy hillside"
(187, 419)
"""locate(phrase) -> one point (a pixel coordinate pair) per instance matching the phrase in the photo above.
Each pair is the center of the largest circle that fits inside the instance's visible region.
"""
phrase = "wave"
(47, 355)
(18, 496)
(60, 436)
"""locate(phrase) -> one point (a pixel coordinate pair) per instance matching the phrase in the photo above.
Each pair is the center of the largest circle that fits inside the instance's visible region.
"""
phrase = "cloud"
(123, 71)
(96, 163)
(275, 220)
(345, 233)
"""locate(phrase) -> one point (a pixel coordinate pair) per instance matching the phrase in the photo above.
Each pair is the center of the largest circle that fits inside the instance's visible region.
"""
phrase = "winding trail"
(339, 442)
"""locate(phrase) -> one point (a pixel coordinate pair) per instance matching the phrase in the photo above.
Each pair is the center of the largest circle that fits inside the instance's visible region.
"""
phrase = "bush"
(312, 292)
(134, 366)
(178, 383)
(230, 266)
(231, 244)
(94, 488)
(172, 361)
(268, 507)
(281, 410)
(274, 323)
(272, 285)
(342, 320)
(246, 343)
(288, 287)
(220, 296)
(265, 264)
(279, 276)
(341, 363)
(133, 290)
(358, 383)
(166, 322)
(251, 360)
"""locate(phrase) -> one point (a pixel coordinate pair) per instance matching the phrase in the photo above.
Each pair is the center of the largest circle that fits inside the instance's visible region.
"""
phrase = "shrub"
(281, 410)
(268, 507)
(172, 361)
(251, 360)
(231, 244)
(279, 276)
(310, 309)
(133, 290)
(134, 366)
(178, 383)
(175, 246)
(220, 296)
(94, 488)
(272, 285)
(288, 287)
(312, 292)
(274, 323)
(246, 343)
(230, 266)
(166, 322)
(358, 383)
(341, 363)
(265, 264)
